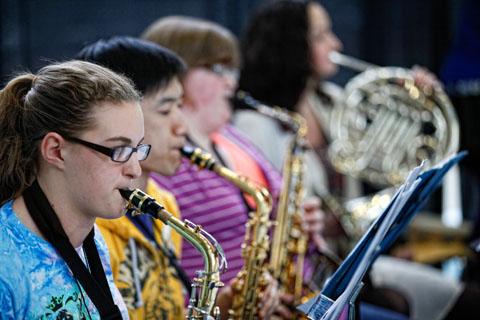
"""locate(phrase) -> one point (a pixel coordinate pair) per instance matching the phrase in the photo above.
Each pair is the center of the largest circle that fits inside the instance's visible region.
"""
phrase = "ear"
(192, 86)
(52, 147)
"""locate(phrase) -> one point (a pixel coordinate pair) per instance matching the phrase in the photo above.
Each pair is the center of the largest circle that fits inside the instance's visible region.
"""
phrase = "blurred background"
(396, 32)
(390, 33)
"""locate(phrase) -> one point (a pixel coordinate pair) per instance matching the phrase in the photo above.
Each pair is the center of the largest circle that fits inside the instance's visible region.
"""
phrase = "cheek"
(160, 137)
(208, 92)
(156, 131)
(320, 61)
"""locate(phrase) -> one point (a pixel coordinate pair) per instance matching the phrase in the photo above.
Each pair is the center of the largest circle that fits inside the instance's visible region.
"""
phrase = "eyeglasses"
(224, 71)
(117, 154)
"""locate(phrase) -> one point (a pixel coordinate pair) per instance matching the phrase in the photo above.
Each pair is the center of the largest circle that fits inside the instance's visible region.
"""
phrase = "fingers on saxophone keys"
(270, 298)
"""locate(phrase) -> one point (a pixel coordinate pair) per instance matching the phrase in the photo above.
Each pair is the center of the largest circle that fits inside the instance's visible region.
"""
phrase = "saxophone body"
(249, 282)
(290, 241)
(202, 304)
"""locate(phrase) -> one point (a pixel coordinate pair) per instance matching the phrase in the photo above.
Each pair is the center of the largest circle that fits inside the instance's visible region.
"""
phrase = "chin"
(118, 214)
(169, 171)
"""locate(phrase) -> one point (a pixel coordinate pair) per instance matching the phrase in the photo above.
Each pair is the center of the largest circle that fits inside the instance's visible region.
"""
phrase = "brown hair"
(59, 98)
(198, 42)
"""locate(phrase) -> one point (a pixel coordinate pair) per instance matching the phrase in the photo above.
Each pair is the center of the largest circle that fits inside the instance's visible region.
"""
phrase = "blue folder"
(418, 193)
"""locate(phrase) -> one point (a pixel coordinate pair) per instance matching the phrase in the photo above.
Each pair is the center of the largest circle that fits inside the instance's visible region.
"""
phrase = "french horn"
(385, 125)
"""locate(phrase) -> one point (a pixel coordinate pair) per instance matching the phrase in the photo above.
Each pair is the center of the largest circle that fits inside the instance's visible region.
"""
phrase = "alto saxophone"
(249, 282)
(202, 304)
(290, 241)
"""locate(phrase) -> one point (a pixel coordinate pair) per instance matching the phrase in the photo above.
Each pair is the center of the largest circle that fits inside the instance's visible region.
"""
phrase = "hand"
(270, 302)
(425, 79)
(283, 310)
(224, 299)
(275, 304)
(270, 299)
(314, 221)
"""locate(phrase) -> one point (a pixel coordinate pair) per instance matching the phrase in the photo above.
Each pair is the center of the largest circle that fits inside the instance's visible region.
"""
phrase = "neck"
(201, 139)
(311, 85)
(75, 229)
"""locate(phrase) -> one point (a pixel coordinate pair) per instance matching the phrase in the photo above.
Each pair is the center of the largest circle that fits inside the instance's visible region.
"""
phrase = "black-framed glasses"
(117, 154)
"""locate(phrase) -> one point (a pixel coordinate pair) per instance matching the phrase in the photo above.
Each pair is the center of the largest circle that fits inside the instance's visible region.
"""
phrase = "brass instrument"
(250, 281)
(385, 125)
(202, 303)
(290, 241)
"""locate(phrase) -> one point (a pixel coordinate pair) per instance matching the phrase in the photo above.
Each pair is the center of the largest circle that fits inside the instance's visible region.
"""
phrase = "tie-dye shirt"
(36, 283)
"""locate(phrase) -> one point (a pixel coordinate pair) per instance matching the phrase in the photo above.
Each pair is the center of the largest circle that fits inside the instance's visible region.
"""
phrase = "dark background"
(393, 32)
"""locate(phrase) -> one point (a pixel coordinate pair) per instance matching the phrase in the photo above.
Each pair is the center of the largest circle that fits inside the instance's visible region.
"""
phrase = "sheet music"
(406, 202)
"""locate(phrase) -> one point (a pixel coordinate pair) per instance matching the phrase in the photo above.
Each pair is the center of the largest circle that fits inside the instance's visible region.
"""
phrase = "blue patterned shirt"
(36, 283)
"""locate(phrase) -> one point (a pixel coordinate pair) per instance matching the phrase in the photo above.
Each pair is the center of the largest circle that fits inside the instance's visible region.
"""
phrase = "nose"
(336, 43)
(132, 168)
(180, 124)
(231, 80)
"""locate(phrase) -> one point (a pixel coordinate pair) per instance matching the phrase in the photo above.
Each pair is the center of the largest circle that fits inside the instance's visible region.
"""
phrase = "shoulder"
(160, 194)
(101, 246)
(249, 119)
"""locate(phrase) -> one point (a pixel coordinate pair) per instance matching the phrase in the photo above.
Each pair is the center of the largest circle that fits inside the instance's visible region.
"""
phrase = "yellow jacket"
(150, 273)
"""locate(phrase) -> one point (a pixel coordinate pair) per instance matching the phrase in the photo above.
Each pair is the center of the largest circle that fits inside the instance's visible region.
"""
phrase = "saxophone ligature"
(202, 304)
(250, 281)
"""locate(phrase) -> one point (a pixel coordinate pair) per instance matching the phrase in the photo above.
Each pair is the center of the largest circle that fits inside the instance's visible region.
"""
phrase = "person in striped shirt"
(211, 54)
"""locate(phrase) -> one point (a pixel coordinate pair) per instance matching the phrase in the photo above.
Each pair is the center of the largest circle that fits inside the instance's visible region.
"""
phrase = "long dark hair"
(276, 54)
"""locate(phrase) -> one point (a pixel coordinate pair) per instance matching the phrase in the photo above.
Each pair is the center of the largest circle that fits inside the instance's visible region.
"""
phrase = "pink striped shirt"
(217, 205)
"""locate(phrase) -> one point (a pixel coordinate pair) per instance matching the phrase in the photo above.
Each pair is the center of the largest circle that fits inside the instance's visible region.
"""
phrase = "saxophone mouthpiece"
(243, 100)
(187, 152)
(198, 157)
(141, 203)
(126, 193)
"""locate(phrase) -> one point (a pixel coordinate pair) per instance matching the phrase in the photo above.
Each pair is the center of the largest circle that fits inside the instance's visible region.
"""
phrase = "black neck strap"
(94, 283)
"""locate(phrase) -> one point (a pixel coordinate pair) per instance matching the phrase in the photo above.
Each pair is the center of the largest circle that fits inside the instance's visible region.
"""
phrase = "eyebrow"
(125, 140)
(169, 100)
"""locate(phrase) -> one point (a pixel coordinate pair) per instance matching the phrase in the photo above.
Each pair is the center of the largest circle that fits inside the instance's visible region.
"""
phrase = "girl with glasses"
(143, 252)
(56, 178)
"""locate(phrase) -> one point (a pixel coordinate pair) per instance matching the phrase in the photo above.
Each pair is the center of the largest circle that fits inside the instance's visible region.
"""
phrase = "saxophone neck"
(204, 160)
(292, 120)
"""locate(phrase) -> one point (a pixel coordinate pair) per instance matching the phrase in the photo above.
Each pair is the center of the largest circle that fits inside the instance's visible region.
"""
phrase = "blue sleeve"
(6, 303)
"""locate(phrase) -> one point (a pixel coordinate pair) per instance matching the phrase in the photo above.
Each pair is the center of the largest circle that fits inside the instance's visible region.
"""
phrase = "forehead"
(173, 89)
(120, 119)
(318, 17)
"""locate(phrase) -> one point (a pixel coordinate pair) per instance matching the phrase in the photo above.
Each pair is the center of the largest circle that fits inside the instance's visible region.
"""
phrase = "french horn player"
(286, 64)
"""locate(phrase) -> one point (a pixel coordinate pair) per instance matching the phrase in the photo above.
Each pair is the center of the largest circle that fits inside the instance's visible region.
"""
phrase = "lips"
(179, 146)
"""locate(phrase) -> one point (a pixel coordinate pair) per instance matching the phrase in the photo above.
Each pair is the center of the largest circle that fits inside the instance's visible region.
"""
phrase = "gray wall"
(393, 32)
